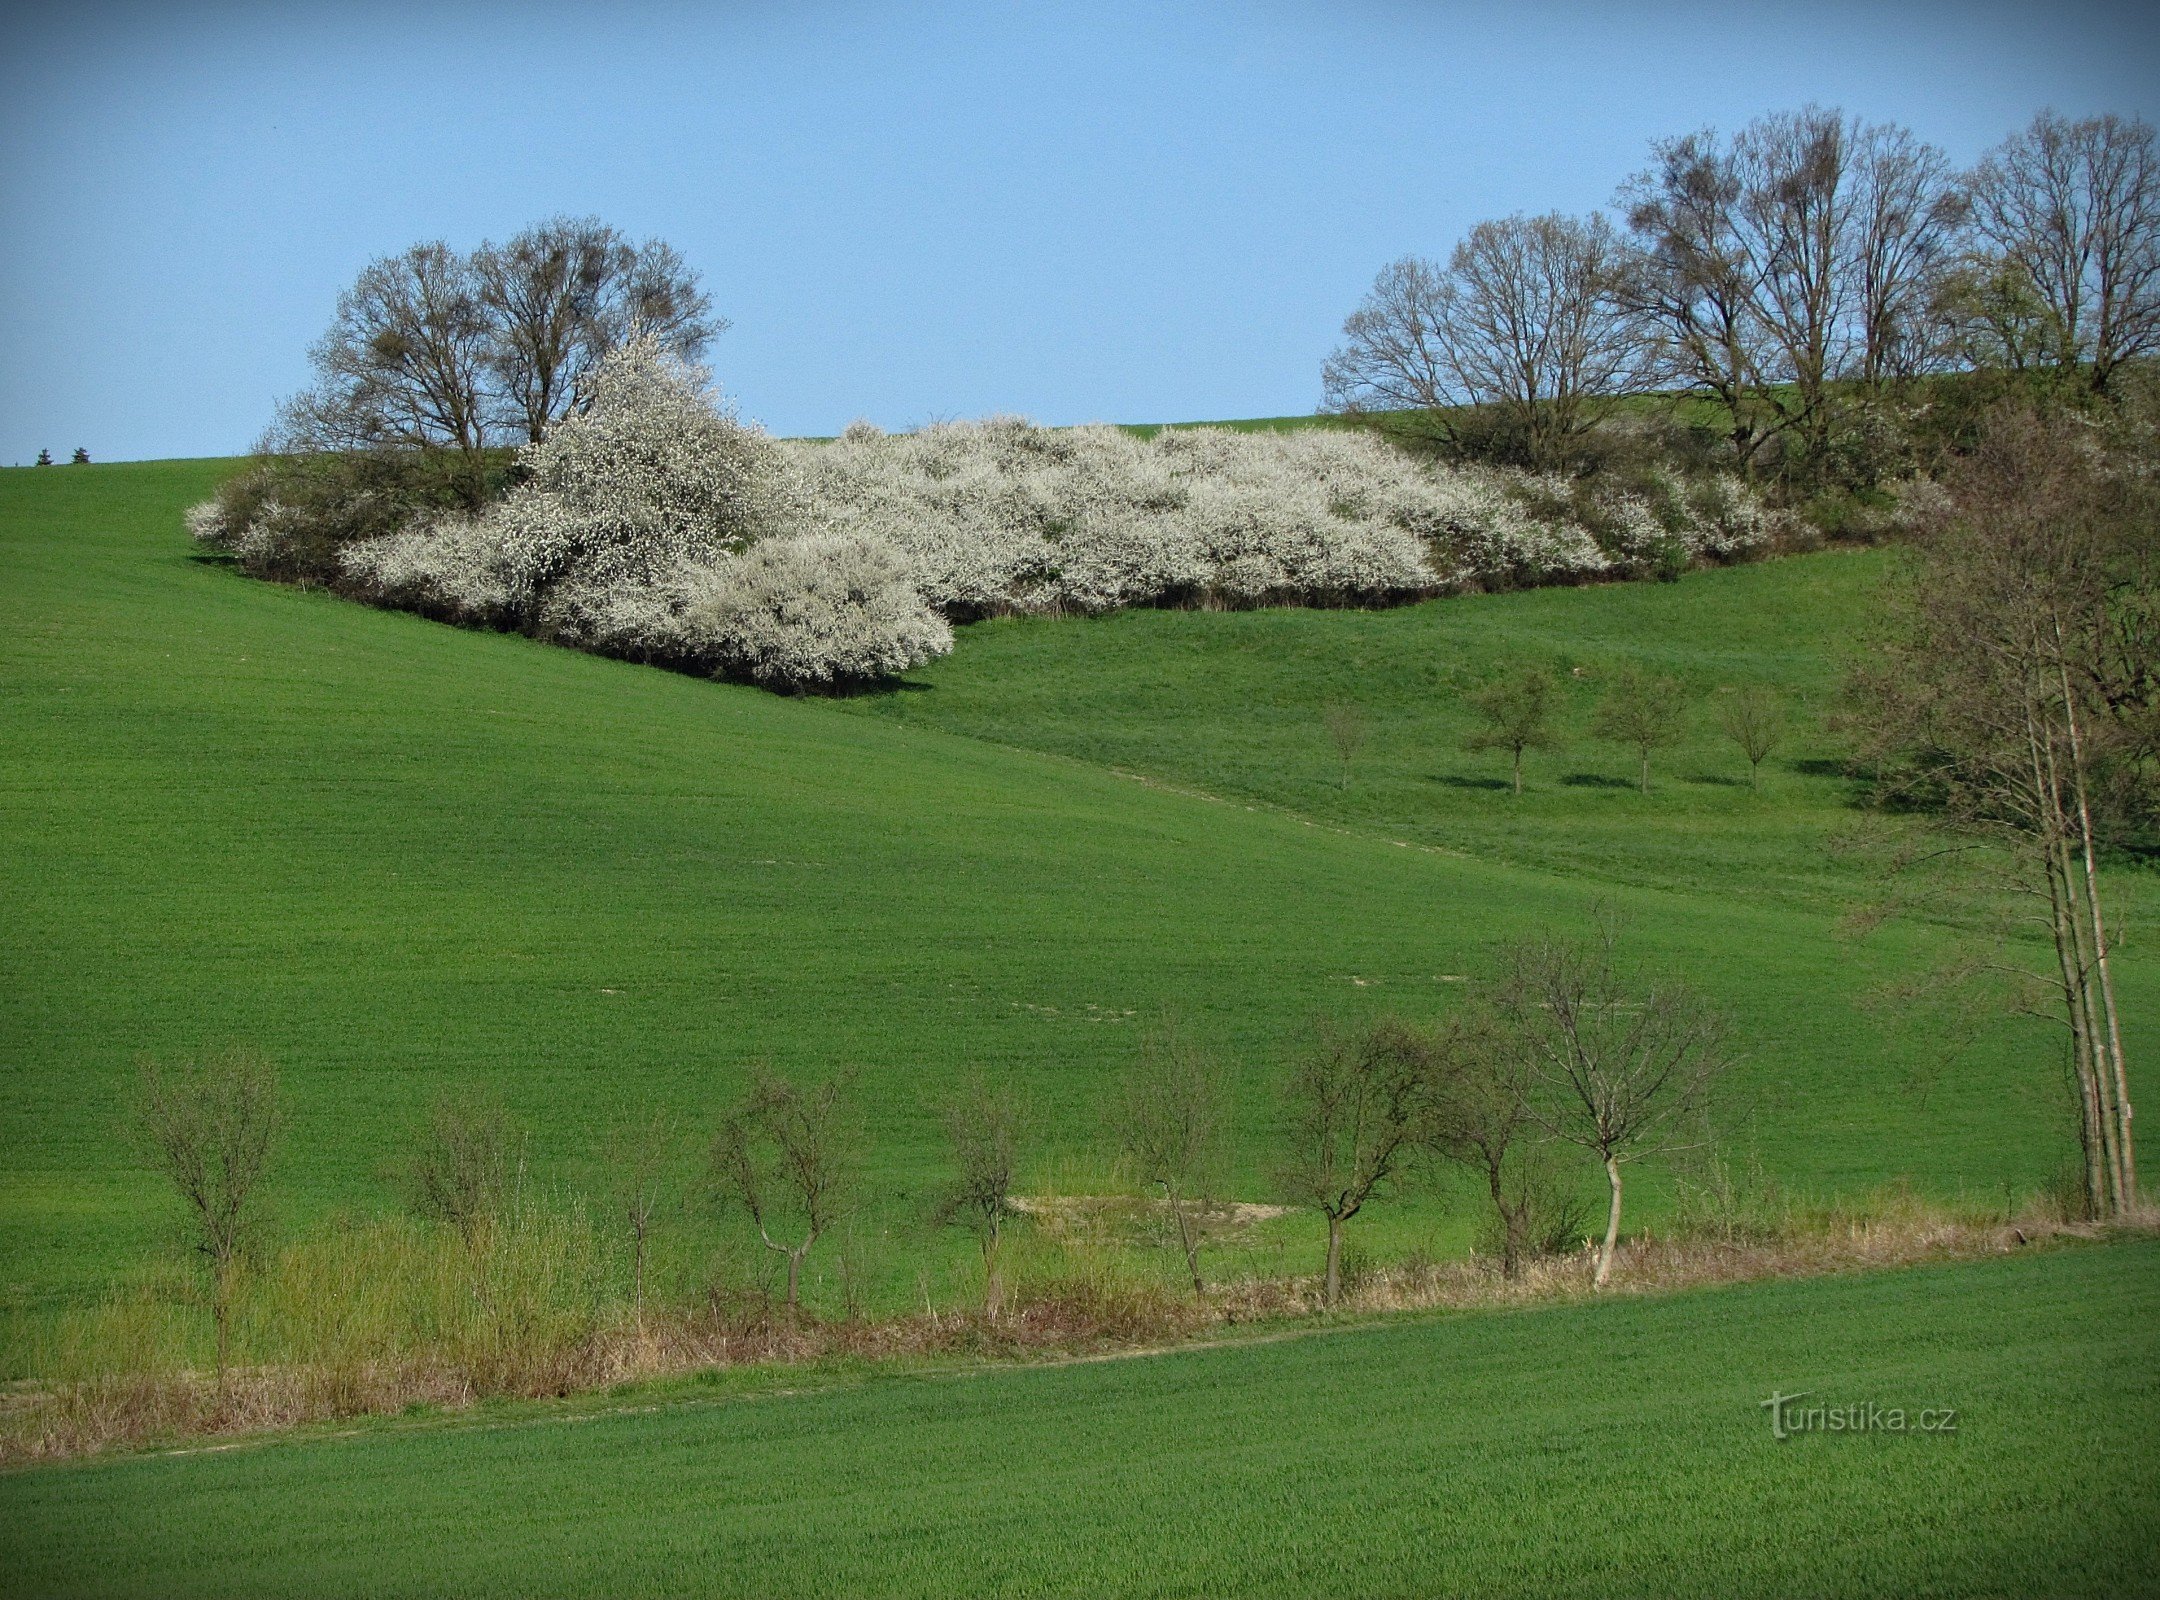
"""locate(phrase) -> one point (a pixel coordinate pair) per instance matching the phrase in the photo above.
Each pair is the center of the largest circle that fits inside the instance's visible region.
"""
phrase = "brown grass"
(519, 1316)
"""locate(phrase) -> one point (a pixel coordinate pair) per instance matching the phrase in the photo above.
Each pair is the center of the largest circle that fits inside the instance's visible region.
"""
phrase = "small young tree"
(787, 1156)
(1361, 1105)
(1345, 725)
(1514, 714)
(1754, 719)
(44, 458)
(1644, 712)
(210, 1126)
(985, 1125)
(464, 1162)
(1615, 1067)
(640, 1160)
(81, 458)
(1482, 1122)
(1171, 1122)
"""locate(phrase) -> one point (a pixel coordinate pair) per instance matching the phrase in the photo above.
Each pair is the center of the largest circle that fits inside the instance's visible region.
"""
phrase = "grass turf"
(1613, 1448)
(397, 857)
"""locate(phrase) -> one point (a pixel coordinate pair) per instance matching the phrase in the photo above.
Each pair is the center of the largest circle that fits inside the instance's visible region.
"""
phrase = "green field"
(1616, 1448)
(396, 856)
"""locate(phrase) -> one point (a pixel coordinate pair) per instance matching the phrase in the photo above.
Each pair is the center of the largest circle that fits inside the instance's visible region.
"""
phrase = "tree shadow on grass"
(1718, 780)
(1596, 780)
(1455, 780)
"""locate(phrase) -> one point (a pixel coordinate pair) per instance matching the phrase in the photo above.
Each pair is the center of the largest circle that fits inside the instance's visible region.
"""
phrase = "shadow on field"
(1596, 780)
(1456, 781)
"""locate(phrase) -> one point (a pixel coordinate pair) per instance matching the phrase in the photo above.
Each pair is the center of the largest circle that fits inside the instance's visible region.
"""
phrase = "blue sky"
(1113, 211)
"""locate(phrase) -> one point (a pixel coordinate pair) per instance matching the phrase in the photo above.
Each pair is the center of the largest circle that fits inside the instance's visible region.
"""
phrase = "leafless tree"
(1800, 252)
(1753, 718)
(1615, 1066)
(787, 1156)
(640, 1161)
(1345, 724)
(2013, 691)
(985, 1125)
(1522, 320)
(1172, 1126)
(2073, 208)
(1643, 711)
(464, 1161)
(560, 294)
(1361, 1106)
(1482, 1122)
(405, 365)
(1514, 714)
(211, 1125)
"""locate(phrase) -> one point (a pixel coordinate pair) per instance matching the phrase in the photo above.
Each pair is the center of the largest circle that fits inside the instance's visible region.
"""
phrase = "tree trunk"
(1333, 1291)
(1646, 772)
(2125, 1149)
(1518, 769)
(794, 1276)
(1612, 1225)
(993, 1281)
(1512, 1221)
(1185, 1238)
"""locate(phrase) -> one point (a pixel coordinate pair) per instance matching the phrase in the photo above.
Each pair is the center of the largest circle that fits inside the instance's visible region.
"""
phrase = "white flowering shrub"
(652, 478)
(814, 611)
(445, 565)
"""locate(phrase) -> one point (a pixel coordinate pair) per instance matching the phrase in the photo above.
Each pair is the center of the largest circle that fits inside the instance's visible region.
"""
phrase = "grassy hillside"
(396, 856)
(1618, 1448)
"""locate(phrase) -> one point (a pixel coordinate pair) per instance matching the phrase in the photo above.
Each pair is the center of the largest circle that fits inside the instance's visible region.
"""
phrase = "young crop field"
(1615, 1448)
(397, 857)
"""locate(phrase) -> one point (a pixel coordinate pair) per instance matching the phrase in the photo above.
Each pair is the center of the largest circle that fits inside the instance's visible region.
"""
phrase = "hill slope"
(396, 856)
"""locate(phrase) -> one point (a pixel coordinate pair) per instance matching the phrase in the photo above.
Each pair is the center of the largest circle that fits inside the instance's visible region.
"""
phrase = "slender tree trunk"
(993, 1280)
(1333, 1291)
(1512, 1219)
(638, 1259)
(2125, 1147)
(1612, 1225)
(794, 1276)
(1646, 772)
(1518, 769)
(1185, 1238)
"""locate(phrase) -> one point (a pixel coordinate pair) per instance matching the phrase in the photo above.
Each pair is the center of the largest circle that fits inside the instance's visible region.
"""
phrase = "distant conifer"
(44, 458)
(81, 458)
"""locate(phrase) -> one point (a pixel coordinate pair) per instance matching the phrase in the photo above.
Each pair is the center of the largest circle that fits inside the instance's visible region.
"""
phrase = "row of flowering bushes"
(657, 525)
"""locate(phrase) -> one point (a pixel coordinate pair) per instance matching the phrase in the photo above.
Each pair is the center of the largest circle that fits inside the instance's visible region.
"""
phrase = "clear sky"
(1119, 211)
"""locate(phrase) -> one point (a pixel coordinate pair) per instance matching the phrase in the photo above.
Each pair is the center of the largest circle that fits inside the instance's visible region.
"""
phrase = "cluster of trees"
(1568, 1049)
(1800, 273)
(81, 458)
(1643, 712)
(440, 350)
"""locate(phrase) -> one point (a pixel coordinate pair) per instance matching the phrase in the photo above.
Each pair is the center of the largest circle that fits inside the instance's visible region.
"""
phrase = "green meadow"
(398, 857)
(1620, 1447)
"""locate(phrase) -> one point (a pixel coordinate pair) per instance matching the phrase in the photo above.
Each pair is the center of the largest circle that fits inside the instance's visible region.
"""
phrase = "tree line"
(1568, 1047)
(1801, 273)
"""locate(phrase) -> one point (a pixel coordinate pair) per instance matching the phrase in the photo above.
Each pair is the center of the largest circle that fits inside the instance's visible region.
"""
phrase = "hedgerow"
(655, 524)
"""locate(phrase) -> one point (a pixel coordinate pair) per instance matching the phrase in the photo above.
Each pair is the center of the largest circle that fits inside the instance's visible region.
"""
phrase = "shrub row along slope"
(653, 524)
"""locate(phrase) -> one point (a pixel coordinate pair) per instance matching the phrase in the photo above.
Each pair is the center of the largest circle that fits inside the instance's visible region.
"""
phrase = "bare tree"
(1800, 252)
(1172, 1125)
(1482, 1122)
(1752, 717)
(787, 1155)
(640, 1161)
(1345, 725)
(561, 294)
(464, 1161)
(210, 1125)
(985, 1125)
(405, 364)
(1360, 1106)
(1616, 1067)
(1644, 712)
(2073, 208)
(2013, 690)
(1522, 320)
(1515, 715)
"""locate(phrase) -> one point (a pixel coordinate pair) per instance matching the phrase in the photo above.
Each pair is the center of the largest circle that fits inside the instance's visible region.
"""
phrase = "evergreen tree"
(44, 458)
(81, 457)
